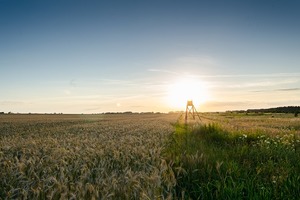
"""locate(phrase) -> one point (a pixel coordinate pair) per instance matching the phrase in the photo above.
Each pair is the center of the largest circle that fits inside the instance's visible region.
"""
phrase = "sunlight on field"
(84, 156)
(237, 156)
(149, 156)
(187, 89)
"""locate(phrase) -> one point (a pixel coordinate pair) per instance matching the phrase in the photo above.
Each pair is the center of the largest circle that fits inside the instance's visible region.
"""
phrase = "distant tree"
(285, 109)
(296, 114)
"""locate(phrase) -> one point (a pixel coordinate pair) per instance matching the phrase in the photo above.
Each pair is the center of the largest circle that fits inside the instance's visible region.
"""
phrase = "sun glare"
(188, 89)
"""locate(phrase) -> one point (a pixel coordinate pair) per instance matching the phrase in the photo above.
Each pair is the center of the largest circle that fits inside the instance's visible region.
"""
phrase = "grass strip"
(212, 163)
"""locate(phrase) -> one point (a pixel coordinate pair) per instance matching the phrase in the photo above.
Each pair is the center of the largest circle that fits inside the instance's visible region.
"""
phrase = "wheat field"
(85, 156)
(149, 156)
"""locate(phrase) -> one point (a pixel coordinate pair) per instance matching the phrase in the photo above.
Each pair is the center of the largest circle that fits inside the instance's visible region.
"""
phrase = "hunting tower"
(190, 111)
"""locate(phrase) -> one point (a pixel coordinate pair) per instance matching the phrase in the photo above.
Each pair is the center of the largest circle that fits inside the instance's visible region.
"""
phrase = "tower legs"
(190, 111)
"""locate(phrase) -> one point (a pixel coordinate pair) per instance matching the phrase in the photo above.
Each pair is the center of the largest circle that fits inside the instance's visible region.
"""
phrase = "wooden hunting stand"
(191, 111)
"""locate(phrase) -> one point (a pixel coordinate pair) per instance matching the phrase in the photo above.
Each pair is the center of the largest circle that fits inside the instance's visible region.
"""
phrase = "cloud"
(97, 108)
(255, 83)
(226, 105)
(197, 60)
(249, 75)
(137, 106)
(217, 104)
(115, 81)
(244, 105)
(288, 89)
(264, 83)
(185, 63)
(11, 103)
(164, 71)
(279, 90)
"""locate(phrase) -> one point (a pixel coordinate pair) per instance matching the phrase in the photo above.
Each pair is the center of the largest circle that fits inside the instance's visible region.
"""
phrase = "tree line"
(284, 109)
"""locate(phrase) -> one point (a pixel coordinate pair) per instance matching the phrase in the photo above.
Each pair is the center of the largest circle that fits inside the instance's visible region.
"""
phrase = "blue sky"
(100, 56)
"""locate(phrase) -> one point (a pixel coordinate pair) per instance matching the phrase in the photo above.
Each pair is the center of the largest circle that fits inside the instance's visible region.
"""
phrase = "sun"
(187, 89)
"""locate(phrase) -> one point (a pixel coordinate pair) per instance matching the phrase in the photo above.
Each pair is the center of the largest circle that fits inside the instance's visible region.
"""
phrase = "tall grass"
(212, 163)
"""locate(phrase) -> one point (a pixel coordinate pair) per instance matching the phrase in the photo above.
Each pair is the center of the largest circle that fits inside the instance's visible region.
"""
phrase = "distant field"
(263, 123)
(149, 156)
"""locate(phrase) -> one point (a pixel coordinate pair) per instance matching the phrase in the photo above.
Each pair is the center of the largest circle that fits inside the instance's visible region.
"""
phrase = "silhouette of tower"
(190, 111)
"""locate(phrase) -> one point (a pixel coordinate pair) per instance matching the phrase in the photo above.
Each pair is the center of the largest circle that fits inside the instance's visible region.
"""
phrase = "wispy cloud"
(243, 105)
(185, 63)
(12, 103)
(103, 81)
(115, 81)
(255, 83)
(264, 83)
(249, 75)
(137, 106)
(228, 105)
(279, 90)
(163, 71)
(288, 89)
(197, 60)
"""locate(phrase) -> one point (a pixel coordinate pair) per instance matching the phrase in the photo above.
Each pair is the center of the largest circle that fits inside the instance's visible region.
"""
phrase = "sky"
(75, 56)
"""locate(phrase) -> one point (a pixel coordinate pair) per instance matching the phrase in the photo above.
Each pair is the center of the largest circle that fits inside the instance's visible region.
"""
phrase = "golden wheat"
(91, 157)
